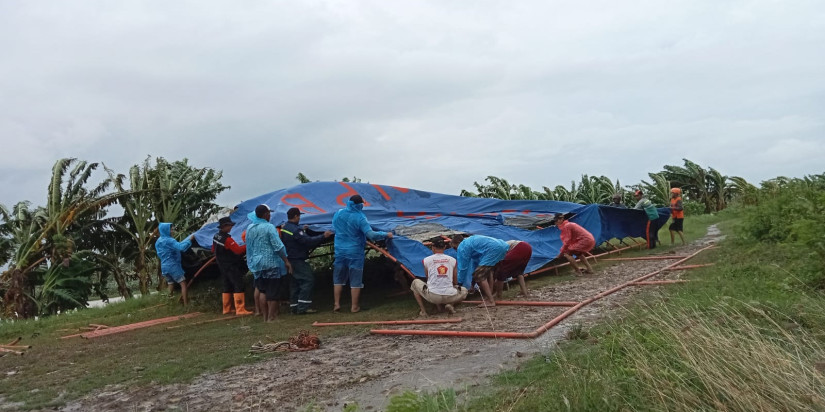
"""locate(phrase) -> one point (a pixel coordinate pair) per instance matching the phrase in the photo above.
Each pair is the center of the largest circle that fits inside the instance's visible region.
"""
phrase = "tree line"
(708, 189)
(61, 253)
(93, 232)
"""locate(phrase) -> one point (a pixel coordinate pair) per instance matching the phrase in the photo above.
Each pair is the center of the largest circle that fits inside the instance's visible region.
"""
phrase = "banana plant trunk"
(17, 301)
(143, 275)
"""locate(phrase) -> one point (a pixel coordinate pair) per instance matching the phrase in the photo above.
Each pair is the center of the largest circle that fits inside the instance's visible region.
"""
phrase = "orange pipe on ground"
(524, 303)
(132, 326)
(391, 322)
(660, 282)
(456, 333)
(542, 328)
(645, 258)
(691, 266)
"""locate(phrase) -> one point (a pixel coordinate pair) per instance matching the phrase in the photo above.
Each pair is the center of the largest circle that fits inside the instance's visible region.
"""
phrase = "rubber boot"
(227, 303)
(240, 305)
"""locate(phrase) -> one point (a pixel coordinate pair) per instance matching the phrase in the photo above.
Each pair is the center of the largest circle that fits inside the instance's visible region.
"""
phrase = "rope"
(302, 342)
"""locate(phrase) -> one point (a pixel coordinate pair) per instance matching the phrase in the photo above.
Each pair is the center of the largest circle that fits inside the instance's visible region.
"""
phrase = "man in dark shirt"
(298, 247)
(229, 256)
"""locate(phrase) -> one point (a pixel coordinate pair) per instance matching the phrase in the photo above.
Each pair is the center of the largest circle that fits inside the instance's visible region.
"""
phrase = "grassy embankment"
(746, 334)
(55, 370)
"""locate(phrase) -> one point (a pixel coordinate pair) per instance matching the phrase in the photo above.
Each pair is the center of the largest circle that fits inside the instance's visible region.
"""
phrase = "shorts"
(345, 269)
(482, 273)
(420, 287)
(677, 224)
(172, 279)
(271, 287)
(514, 262)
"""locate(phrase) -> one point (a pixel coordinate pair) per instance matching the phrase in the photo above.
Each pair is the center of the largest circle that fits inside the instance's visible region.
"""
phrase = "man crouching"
(442, 287)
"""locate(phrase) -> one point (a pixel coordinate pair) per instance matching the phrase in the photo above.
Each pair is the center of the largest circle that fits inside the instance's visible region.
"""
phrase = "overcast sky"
(430, 95)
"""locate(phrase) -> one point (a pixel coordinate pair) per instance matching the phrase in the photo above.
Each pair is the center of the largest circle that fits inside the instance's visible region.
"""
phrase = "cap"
(638, 193)
(356, 199)
(292, 212)
(261, 210)
(676, 190)
(225, 221)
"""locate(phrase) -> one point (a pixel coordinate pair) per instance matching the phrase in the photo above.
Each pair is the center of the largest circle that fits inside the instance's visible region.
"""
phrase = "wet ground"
(368, 369)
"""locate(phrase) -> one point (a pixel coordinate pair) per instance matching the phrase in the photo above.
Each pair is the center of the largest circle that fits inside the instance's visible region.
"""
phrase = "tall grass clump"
(727, 360)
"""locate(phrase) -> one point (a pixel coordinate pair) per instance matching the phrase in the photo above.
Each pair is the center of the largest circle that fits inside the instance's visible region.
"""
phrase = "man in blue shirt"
(351, 233)
(267, 259)
(477, 259)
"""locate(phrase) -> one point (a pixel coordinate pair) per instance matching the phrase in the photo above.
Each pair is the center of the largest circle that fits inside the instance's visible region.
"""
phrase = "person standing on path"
(169, 251)
(298, 247)
(477, 258)
(577, 241)
(351, 233)
(677, 212)
(652, 228)
(229, 256)
(266, 258)
(441, 288)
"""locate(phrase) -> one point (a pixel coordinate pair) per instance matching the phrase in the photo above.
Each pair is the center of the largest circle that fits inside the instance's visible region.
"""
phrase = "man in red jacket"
(230, 262)
(577, 241)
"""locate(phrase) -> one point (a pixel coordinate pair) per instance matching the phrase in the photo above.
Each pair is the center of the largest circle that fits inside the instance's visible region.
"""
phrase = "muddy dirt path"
(369, 369)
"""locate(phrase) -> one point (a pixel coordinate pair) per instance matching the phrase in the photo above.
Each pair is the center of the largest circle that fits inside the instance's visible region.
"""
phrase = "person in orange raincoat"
(677, 213)
(577, 241)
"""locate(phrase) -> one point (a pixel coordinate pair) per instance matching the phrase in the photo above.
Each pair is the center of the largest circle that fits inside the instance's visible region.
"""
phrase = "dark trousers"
(652, 233)
(301, 286)
(232, 280)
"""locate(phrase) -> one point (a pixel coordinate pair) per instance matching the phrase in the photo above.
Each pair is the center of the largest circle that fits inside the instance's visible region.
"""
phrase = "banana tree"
(658, 190)
(137, 222)
(595, 190)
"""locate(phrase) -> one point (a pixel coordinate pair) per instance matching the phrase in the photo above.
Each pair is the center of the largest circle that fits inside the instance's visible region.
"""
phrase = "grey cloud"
(430, 95)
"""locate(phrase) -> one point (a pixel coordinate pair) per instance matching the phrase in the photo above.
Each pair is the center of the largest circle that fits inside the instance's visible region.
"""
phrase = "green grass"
(55, 371)
(745, 334)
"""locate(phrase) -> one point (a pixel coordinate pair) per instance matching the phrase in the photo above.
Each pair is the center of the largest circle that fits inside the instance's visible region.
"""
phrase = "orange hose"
(541, 329)
(391, 322)
(524, 303)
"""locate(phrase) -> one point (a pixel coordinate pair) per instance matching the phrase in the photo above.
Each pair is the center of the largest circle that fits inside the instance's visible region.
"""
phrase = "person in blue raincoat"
(477, 258)
(267, 260)
(351, 233)
(169, 251)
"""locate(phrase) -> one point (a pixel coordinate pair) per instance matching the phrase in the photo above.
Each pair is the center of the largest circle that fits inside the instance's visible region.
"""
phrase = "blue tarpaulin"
(414, 216)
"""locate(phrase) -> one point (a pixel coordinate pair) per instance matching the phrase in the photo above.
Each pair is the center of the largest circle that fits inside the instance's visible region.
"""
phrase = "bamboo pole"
(660, 282)
(206, 321)
(684, 267)
(392, 258)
